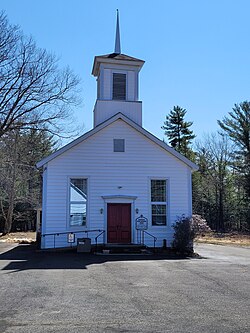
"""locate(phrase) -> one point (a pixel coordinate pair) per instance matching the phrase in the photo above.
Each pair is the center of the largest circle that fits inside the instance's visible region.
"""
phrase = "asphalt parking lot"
(70, 292)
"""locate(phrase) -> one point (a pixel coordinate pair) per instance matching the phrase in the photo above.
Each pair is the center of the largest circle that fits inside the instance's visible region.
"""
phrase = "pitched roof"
(119, 56)
(121, 59)
(119, 116)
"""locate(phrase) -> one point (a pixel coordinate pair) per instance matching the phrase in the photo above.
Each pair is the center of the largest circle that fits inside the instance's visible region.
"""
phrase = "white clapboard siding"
(106, 171)
(106, 84)
(105, 109)
(132, 86)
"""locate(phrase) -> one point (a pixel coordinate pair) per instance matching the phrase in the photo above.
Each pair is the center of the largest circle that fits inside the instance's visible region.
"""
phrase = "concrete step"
(122, 249)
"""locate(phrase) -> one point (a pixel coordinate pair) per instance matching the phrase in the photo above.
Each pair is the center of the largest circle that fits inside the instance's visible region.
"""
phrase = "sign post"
(141, 224)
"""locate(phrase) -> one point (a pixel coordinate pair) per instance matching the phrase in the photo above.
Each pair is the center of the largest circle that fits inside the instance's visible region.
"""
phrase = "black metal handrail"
(102, 232)
(155, 238)
(70, 232)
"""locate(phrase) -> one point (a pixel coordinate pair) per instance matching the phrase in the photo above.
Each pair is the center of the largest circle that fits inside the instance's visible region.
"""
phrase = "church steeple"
(117, 36)
(117, 84)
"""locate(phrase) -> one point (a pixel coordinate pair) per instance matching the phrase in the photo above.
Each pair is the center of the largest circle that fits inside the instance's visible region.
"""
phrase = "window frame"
(162, 203)
(75, 202)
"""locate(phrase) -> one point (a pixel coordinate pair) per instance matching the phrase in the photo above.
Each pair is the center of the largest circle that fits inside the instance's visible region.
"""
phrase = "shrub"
(183, 235)
(199, 225)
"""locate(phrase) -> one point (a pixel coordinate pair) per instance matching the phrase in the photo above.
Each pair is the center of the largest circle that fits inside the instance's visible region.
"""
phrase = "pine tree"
(20, 181)
(237, 126)
(178, 131)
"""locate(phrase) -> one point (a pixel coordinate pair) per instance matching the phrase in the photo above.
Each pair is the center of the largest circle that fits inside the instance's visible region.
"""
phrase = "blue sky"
(196, 52)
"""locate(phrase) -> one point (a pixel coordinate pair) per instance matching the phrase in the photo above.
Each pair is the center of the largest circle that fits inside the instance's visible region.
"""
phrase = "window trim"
(166, 203)
(69, 226)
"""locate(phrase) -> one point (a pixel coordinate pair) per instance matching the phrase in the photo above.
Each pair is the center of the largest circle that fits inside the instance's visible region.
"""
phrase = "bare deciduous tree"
(33, 90)
(36, 96)
(218, 194)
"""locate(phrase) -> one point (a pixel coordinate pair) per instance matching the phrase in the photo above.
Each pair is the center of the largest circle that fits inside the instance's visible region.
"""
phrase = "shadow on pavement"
(25, 257)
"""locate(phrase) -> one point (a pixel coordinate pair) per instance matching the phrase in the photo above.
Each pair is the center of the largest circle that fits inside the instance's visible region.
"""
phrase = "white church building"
(117, 183)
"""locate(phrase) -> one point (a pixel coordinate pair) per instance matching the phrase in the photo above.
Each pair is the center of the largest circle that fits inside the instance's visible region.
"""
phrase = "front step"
(122, 249)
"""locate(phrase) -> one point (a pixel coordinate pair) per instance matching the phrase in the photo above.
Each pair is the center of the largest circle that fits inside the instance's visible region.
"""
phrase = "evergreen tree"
(178, 131)
(237, 126)
(20, 181)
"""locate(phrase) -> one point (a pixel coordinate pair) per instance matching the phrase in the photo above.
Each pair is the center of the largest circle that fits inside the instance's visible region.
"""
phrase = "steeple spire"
(117, 36)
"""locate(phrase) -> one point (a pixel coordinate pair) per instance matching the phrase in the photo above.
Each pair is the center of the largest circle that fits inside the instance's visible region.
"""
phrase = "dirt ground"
(224, 239)
(211, 238)
(19, 237)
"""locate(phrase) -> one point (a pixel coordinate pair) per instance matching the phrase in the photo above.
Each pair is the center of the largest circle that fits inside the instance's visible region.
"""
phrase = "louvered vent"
(119, 145)
(119, 86)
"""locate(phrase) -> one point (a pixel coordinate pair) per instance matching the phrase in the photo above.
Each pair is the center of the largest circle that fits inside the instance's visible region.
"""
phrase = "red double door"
(119, 223)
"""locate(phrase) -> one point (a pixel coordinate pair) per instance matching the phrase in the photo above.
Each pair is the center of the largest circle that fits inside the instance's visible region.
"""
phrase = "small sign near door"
(71, 238)
(141, 223)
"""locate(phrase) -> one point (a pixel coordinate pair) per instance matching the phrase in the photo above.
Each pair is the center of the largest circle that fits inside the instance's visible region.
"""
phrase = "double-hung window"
(159, 202)
(78, 202)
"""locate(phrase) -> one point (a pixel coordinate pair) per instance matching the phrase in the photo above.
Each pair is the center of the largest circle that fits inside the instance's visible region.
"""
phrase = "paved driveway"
(69, 292)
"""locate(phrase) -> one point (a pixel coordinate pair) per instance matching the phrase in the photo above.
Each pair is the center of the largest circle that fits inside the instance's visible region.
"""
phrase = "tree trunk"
(12, 186)
(9, 217)
(221, 211)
